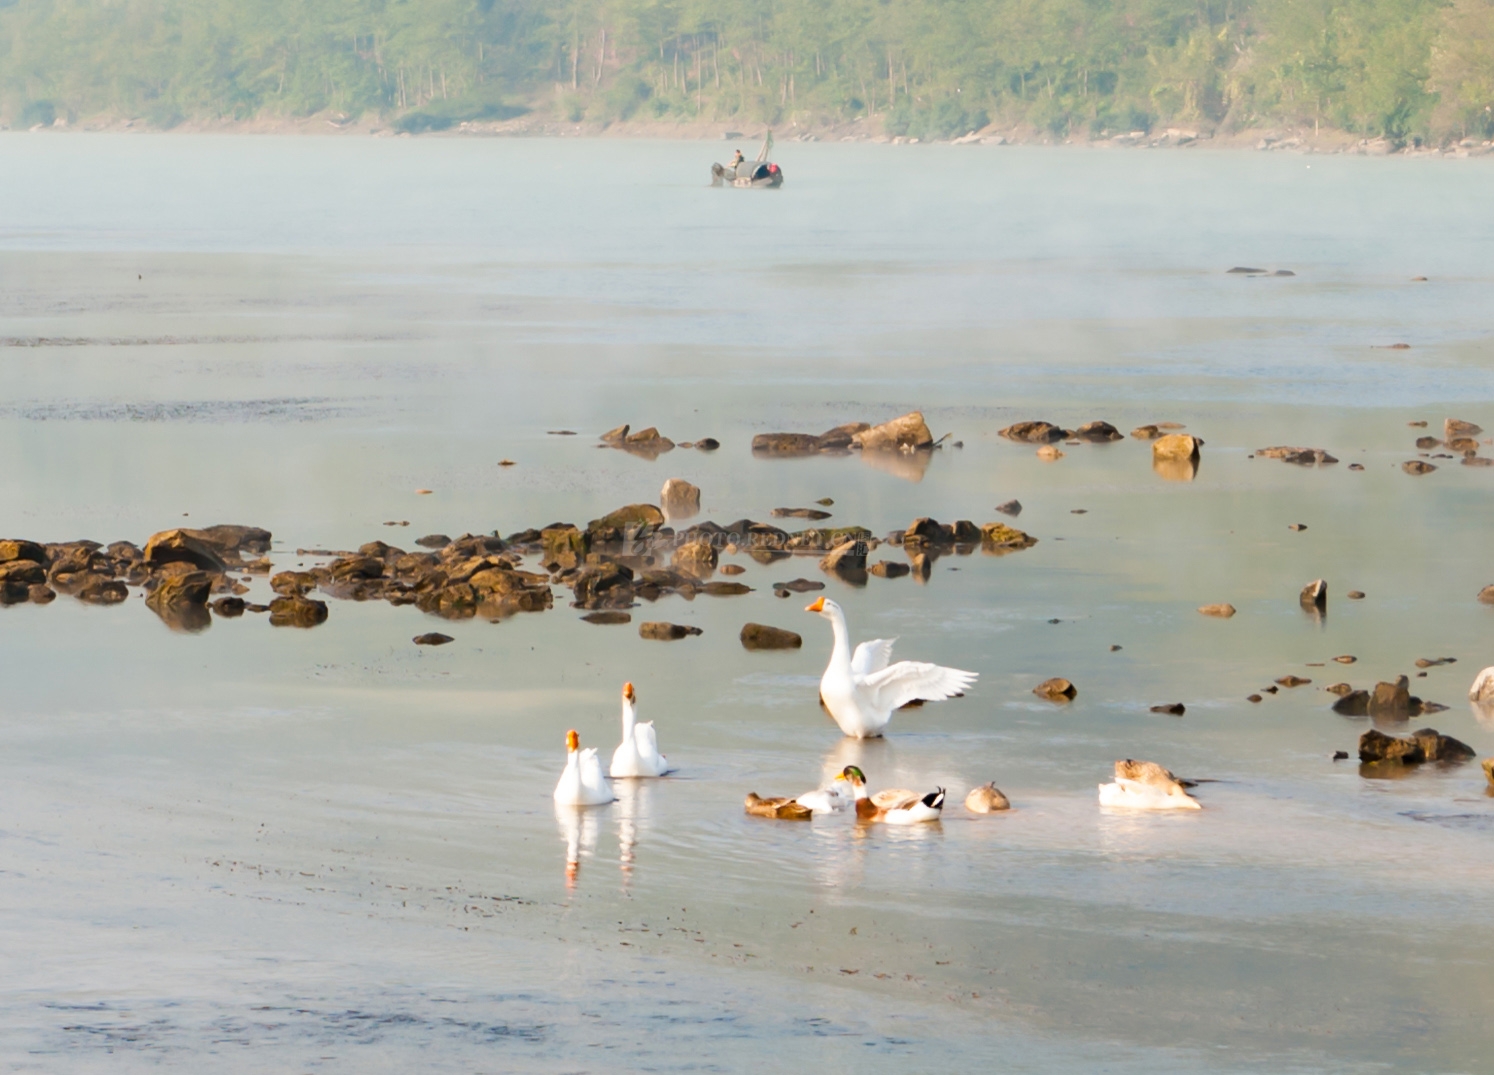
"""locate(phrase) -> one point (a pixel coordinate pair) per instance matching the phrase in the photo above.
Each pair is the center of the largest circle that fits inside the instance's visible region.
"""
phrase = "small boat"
(754, 173)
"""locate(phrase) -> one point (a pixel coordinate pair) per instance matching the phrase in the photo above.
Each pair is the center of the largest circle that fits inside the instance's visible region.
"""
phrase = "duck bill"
(817, 605)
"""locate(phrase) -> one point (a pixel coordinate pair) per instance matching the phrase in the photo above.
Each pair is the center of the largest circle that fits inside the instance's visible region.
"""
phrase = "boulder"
(632, 519)
(1417, 467)
(1464, 445)
(288, 583)
(1181, 447)
(432, 638)
(695, 558)
(1456, 427)
(906, 433)
(297, 611)
(1035, 432)
(1314, 595)
(183, 546)
(1478, 461)
(757, 636)
(888, 569)
(1391, 699)
(1424, 744)
(1000, 536)
(22, 572)
(1222, 611)
(679, 499)
(1438, 747)
(20, 549)
(98, 590)
(665, 632)
(39, 594)
(707, 444)
(849, 556)
(380, 550)
(841, 438)
(1098, 431)
(1483, 686)
(1486, 595)
(926, 531)
(433, 541)
(1352, 703)
(232, 541)
(229, 607)
(1426, 444)
(1011, 507)
(14, 593)
(1146, 432)
(616, 436)
(1056, 690)
(192, 588)
(562, 546)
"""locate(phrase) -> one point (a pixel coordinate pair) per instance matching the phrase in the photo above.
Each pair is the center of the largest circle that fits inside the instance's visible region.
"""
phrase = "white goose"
(1145, 785)
(638, 753)
(582, 783)
(862, 690)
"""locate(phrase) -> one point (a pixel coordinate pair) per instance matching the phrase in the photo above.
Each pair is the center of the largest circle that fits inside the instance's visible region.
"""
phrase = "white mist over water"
(268, 849)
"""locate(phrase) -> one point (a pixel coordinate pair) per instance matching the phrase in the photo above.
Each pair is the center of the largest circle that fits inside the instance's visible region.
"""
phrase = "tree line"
(1400, 69)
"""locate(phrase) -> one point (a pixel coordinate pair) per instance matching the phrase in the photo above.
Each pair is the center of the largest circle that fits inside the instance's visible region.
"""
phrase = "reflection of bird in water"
(578, 827)
(632, 808)
(861, 690)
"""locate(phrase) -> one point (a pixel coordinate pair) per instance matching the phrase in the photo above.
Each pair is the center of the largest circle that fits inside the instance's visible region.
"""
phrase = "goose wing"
(901, 683)
(895, 799)
(871, 656)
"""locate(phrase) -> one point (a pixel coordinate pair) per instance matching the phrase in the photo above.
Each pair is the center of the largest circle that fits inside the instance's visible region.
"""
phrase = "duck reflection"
(578, 828)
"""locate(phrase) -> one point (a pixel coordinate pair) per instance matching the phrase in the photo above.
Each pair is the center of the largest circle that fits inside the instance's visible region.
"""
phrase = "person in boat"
(737, 158)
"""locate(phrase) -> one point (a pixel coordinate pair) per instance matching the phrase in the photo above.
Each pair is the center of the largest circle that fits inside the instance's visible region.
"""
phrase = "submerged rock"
(1000, 536)
(1056, 690)
(1456, 427)
(1303, 457)
(432, 638)
(1417, 467)
(1422, 745)
(800, 513)
(607, 618)
(666, 632)
(1174, 709)
(679, 499)
(1314, 595)
(1034, 432)
(760, 636)
(1099, 432)
(297, 611)
(1011, 507)
(889, 569)
(1222, 611)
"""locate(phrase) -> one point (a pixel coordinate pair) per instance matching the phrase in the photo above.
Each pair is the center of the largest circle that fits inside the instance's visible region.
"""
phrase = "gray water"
(267, 849)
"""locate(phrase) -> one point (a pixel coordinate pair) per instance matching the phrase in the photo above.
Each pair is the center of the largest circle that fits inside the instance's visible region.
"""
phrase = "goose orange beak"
(628, 692)
(818, 606)
(572, 741)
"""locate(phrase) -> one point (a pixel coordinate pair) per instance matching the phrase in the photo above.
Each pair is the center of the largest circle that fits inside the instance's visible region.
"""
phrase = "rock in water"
(889, 569)
(297, 611)
(758, 636)
(1391, 699)
(986, 799)
(1049, 454)
(1314, 595)
(1179, 446)
(1483, 686)
(1099, 432)
(432, 638)
(1353, 704)
(1456, 427)
(907, 433)
(1486, 595)
(229, 607)
(849, 556)
(1488, 764)
(1000, 536)
(1011, 507)
(1424, 744)
(1146, 432)
(607, 618)
(1172, 709)
(21, 549)
(191, 588)
(665, 632)
(1222, 611)
(1417, 467)
(1033, 432)
(1056, 690)
(632, 519)
(679, 499)
(183, 546)
(696, 558)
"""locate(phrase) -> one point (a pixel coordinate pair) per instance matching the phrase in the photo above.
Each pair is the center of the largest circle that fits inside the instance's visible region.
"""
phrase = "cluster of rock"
(1302, 457)
(179, 570)
(1460, 438)
(906, 433)
(1387, 701)
(650, 443)
(1422, 745)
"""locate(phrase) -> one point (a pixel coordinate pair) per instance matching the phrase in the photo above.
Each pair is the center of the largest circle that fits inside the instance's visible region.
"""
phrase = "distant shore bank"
(866, 130)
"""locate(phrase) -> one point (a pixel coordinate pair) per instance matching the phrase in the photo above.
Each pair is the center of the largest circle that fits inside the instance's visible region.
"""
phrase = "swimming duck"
(861, 690)
(1145, 785)
(781, 807)
(894, 806)
(583, 783)
(638, 753)
(986, 799)
(837, 797)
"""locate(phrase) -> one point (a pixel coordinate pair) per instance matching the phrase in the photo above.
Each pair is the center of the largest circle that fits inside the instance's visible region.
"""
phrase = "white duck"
(1145, 785)
(583, 783)
(1483, 686)
(837, 797)
(638, 753)
(861, 690)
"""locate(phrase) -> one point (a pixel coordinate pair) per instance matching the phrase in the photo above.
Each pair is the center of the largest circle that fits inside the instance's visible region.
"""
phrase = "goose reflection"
(578, 828)
(633, 798)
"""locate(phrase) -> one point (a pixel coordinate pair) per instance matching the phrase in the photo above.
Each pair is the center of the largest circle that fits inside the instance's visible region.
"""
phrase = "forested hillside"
(1403, 69)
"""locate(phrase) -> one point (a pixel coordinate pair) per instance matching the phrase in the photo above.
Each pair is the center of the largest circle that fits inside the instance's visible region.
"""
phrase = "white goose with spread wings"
(862, 690)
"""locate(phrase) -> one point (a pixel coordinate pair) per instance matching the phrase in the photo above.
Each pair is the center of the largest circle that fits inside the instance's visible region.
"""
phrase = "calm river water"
(257, 849)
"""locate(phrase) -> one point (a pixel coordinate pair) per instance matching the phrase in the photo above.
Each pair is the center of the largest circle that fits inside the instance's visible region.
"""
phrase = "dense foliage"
(930, 68)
